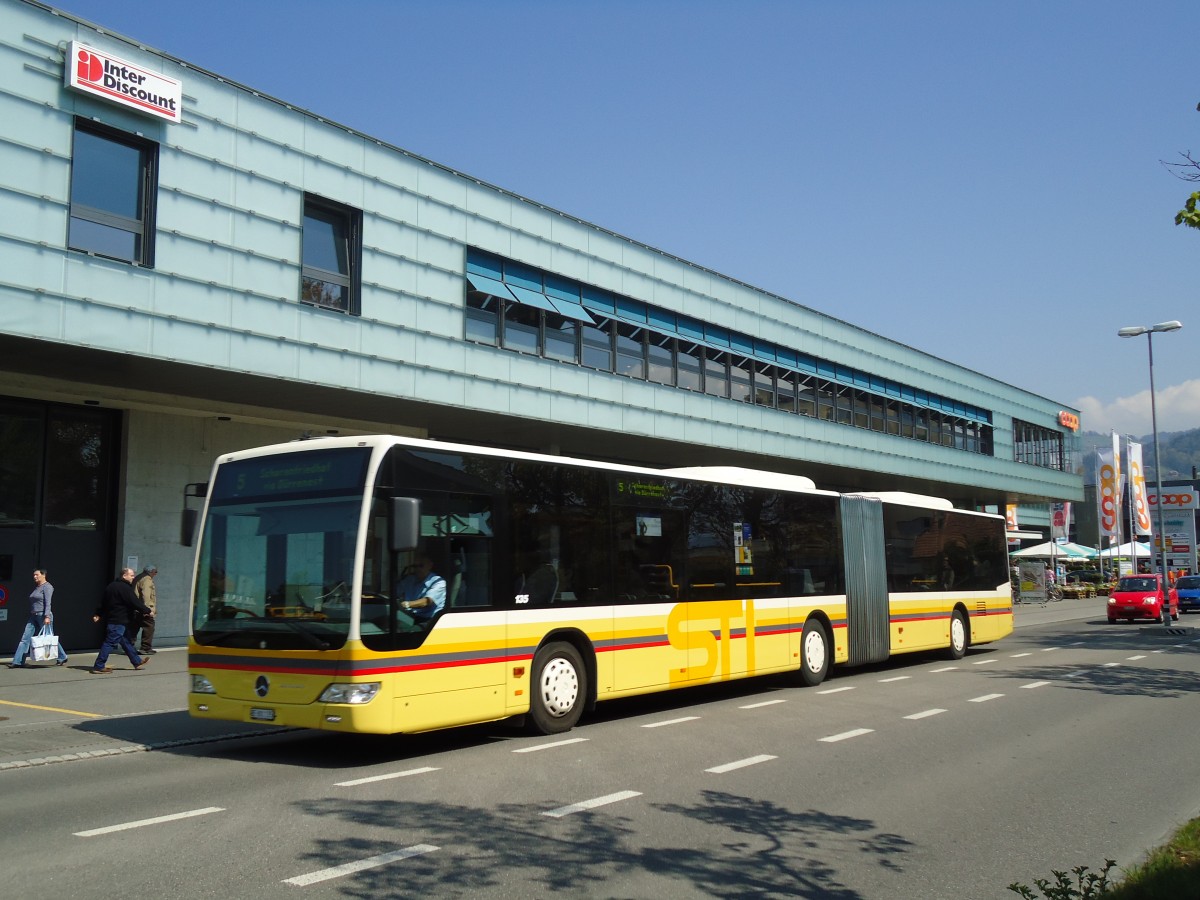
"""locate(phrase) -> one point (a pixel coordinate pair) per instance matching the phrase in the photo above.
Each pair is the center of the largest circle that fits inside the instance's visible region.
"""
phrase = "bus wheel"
(958, 635)
(558, 689)
(814, 653)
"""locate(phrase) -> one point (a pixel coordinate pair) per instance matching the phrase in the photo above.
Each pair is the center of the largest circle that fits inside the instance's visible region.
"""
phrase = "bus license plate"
(263, 715)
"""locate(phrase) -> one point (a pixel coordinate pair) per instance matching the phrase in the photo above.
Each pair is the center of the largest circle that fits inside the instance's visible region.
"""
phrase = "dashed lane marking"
(679, 721)
(846, 735)
(740, 764)
(591, 804)
(550, 746)
(370, 863)
(390, 775)
(926, 714)
(157, 820)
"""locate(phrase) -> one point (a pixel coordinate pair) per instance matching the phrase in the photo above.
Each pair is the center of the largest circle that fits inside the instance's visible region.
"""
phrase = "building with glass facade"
(191, 266)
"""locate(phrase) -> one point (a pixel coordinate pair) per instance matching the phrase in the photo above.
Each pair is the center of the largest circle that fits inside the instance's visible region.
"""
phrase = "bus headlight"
(350, 693)
(201, 685)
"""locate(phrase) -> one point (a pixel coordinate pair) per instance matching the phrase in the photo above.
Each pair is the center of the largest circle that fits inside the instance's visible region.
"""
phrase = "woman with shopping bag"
(41, 624)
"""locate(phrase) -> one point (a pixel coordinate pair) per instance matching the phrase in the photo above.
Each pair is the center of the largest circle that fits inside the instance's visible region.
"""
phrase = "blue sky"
(978, 180)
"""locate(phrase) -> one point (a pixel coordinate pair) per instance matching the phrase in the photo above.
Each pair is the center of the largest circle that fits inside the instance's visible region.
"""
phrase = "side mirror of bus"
(406, 523)
(187, 527)
(197, 490)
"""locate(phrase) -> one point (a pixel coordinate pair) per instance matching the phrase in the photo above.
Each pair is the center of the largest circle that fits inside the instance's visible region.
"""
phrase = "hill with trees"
(1180, 452)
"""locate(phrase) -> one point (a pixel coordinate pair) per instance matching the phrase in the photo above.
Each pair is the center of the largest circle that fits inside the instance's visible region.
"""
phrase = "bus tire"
(557, 689)
(958, 635)
(814, 653)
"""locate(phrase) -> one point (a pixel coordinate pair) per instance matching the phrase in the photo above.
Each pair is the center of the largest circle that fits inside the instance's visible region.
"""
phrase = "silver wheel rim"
(958, 634)
(559, 687)
(814, 651)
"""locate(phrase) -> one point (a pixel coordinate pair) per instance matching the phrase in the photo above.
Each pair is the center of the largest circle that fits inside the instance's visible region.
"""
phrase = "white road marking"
(763, 703)
(1019, 655)
(846, 735)
(591, 804)
(1034, 684)
(837, 690)
(1139, 656)
(926, 714)
(350, 868)
(982, 662)
(944, 669)
(897, 678)
(672, 722)
(1109, 665)
(550, 746)
(1048, 649)
(157, 820)
(390, 775)
(740, 764)
(1076, 674)
(985, 698)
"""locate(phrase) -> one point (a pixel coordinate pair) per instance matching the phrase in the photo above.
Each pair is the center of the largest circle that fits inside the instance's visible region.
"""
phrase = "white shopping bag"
(45, 645)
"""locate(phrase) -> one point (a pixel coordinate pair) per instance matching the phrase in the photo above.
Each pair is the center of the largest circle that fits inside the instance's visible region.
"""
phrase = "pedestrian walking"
(143, 586)
(40, 616)
(117, 608)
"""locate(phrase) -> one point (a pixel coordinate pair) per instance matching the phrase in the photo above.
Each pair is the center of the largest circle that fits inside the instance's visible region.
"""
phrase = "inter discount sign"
(119, 81)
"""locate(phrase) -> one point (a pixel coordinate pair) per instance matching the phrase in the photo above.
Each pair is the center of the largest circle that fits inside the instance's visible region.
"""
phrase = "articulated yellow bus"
(386, 584)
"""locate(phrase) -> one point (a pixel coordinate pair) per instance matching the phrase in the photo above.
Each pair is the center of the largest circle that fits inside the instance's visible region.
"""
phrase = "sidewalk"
(53, 714)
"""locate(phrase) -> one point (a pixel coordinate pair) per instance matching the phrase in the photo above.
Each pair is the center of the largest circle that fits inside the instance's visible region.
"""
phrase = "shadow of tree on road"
(1122, 680)
(724, 845)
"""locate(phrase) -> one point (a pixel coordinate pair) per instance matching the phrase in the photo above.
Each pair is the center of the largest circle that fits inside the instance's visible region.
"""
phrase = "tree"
(1189, 170)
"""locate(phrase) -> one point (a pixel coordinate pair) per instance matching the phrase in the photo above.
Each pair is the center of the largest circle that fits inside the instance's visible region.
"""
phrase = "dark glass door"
(57, 503)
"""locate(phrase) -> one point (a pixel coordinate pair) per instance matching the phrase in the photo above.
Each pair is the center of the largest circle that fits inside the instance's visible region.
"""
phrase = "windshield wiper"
(312, 639)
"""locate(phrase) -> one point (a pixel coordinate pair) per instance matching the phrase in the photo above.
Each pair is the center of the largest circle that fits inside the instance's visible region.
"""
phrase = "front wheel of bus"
(814, 653)
(958, 635)
(558, 689)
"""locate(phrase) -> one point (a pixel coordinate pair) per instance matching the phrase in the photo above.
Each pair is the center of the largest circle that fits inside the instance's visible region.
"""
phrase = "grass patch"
(1170, 872)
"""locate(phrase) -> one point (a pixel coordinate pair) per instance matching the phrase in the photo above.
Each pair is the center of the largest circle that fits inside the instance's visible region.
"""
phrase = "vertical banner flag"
(1106, 479)
(1060, 520)
(1137, 485)
(1010, 516)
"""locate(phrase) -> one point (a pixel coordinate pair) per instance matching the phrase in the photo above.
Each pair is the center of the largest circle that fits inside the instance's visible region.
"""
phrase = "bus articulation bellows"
(566, 582)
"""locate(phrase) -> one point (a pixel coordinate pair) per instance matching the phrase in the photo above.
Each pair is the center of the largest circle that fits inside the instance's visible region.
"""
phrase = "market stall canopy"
(1063, 551)
(1131, 549)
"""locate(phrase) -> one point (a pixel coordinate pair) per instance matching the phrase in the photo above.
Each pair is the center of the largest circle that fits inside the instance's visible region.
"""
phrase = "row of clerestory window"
(519, 308)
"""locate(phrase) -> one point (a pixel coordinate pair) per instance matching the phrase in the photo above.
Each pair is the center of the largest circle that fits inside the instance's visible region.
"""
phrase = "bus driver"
(422, 593)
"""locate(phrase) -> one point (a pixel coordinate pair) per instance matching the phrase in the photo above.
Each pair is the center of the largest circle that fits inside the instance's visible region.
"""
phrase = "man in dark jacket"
(117, 608)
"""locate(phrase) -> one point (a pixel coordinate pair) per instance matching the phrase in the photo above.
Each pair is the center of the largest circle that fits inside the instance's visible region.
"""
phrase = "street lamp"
(1148, 331)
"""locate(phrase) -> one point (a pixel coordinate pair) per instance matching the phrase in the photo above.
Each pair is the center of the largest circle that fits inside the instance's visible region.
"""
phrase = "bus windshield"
(277, 552)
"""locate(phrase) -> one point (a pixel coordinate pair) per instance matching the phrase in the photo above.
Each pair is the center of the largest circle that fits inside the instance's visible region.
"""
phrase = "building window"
(598, 345)
(330, 274)
(114, 181)
(1038, 446)
(689, 366)
(660, 357)
(483, 317)
(522, 327)
(631, 350)
(561, 338)
(716, 373)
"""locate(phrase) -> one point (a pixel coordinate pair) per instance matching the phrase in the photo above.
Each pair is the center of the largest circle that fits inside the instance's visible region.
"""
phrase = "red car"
(1140, 597)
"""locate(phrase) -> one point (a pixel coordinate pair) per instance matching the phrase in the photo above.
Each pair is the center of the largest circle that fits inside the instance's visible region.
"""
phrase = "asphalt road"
(918, 779)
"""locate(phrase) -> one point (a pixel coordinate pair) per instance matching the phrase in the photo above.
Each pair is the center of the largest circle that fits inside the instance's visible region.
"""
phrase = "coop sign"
(119, 81)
